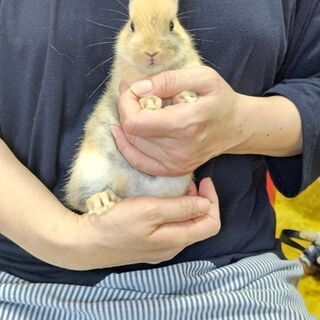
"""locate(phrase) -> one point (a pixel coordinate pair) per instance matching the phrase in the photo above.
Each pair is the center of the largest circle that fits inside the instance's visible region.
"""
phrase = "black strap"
(286, 236)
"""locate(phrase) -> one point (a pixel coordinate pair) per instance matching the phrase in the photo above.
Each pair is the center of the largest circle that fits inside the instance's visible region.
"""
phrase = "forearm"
(271, 126)
(31, 216)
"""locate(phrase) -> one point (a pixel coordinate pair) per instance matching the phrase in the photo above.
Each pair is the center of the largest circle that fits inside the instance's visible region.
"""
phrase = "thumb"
(168, 84)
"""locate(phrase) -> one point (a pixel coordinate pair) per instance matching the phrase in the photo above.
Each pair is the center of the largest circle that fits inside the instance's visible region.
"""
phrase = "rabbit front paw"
(102, 202)
(151, 102)
(185, 97)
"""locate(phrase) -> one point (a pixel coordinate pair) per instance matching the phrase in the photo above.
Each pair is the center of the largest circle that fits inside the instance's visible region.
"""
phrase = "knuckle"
(182, 164)
(151, 210)
(178, 155)
(187, 205)
(210, 75)
(169, 255)
(190, 130)
(209, 71)
(168, 80)
(121, 102)
(217, 227)
(182, 241)
(181, 170)
(129, 126)
(132, 139)
(134, 161)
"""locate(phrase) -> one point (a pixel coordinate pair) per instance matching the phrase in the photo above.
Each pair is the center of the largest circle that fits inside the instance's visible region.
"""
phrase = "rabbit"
(151, 41)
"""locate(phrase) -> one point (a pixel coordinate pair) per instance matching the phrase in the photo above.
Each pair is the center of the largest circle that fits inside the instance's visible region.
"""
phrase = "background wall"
(299, 213)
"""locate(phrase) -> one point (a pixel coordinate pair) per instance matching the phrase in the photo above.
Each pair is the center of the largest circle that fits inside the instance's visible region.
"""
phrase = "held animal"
(152, 41)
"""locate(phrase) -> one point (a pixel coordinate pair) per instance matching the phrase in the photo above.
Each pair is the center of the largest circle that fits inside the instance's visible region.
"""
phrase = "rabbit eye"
(132, 27)
(171, 25)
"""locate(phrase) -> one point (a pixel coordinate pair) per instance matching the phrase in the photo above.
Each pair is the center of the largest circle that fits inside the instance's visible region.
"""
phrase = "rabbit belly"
(96, 170)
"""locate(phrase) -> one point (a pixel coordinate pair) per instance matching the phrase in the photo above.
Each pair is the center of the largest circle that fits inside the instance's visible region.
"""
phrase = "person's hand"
(148, 229)
(144, 229)
(177, 139)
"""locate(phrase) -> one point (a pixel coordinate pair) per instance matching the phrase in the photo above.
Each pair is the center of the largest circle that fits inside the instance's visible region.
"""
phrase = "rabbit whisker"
(204, 40)
(98, 66)
(99, 86)
(186, 12)
(122, 4)
(115, 11)
(102, 25)
(200, 29)
(122, 20)
(185, 17)
(98, 44)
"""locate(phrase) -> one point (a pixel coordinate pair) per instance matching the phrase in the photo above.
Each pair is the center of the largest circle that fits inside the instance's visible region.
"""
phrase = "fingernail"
(141, 88)
(203, 205)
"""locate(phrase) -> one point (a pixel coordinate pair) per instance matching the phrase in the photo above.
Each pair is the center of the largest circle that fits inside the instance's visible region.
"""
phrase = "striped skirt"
(261, 287)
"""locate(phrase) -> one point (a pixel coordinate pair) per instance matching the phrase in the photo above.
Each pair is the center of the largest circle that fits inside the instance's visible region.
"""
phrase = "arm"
(136, 230)
(283, 125)
(299, 81)
(178, 139)
(30, 215)
(273, 124)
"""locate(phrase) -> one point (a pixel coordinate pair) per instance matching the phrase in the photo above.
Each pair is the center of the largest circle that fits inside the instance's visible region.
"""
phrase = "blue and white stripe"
(261, 287)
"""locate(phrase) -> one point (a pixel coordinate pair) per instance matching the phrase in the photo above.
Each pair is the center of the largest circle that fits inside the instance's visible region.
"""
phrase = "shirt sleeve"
(299, 81)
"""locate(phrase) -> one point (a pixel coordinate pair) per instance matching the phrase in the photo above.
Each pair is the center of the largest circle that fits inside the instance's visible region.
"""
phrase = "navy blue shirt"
(48, 54)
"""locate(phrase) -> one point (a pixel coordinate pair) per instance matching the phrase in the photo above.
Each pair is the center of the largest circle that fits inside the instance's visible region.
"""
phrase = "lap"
(261, 287)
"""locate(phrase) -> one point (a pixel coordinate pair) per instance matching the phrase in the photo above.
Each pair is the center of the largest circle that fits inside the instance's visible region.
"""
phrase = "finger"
(129, 101)
(143, 122)
(135, 157)
(164, 122)
(153, 147)
(182, 209)
(168, 84)
(123, 86)
(198, 228)
(188, 232)
(128, 105)
(192, 189)
(207, 190)
(162, 149)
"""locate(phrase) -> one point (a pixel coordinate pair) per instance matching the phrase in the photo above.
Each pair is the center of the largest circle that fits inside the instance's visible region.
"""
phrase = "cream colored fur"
(99, 166)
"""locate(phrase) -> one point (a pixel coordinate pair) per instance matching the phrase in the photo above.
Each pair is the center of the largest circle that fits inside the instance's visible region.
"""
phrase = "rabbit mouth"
(154, 68)
(153, 62)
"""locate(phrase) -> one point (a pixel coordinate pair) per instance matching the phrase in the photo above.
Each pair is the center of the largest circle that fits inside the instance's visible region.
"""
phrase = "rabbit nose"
(151, 54)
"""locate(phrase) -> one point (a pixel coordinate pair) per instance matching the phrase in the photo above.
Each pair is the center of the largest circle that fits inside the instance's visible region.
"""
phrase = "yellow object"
(302, 212)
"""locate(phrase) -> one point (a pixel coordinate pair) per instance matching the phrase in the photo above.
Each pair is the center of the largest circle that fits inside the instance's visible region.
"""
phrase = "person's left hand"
(177, 139)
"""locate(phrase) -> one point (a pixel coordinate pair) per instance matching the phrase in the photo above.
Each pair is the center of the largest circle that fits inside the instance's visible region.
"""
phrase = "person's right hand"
(137, 230)
(148, 229)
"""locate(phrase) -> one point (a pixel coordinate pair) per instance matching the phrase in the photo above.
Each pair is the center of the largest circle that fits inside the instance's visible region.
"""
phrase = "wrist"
(242, 127)
(61, 240)
(79, 242)
(92, 245)
(270, 125)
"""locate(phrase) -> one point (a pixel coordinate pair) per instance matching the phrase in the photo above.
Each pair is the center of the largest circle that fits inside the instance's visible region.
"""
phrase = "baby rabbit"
(150, 42)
